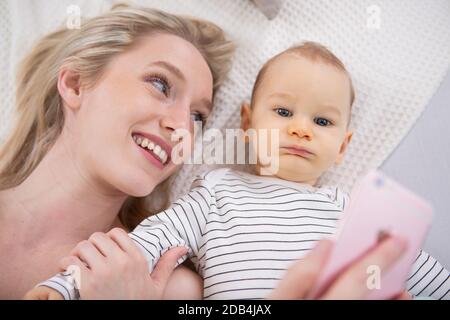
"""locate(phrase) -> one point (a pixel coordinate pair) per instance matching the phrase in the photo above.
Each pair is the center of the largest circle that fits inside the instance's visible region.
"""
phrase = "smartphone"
(379, 206)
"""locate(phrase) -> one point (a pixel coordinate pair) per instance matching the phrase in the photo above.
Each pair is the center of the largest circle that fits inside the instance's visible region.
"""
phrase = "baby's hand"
(43, 293)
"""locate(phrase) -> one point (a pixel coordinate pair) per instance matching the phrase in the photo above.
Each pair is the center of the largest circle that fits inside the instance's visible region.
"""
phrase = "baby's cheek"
(328, 155)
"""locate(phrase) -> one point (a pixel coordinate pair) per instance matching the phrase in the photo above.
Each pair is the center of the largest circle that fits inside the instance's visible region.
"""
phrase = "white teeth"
(164, 157)
(150, 145)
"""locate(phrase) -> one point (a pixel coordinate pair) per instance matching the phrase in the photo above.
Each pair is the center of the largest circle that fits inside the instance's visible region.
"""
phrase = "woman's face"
(160, 85)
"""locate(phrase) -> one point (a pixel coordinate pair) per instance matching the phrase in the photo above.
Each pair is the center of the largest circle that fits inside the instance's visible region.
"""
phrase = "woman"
(71, 167)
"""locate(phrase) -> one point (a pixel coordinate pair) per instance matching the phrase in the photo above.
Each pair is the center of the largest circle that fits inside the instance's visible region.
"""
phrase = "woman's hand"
(112, 267)
(349, 284)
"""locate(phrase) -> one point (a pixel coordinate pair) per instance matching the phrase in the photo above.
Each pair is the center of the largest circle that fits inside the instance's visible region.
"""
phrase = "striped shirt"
(244, 231)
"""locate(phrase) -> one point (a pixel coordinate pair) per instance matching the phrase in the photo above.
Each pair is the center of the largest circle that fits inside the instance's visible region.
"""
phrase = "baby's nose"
(301, 129)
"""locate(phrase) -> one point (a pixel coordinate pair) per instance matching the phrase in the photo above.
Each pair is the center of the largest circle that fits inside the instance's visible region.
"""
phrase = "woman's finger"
(89, 254)
(66, 262)
(123, 240)
(300, 278)
(405, 295)
(166, 264)
(352, 283)
(107, 246)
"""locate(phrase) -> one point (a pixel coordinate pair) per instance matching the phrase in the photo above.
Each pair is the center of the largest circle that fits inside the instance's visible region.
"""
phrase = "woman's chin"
(137, 185)
(142, 192)
(136, 182)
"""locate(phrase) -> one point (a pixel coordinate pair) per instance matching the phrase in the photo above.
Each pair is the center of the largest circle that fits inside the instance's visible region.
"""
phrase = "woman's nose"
(301, 129)
(176, 119)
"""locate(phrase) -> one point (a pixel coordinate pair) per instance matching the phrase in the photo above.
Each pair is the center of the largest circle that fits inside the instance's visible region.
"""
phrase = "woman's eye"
(322, 122)
(160, 85)
(283, 112)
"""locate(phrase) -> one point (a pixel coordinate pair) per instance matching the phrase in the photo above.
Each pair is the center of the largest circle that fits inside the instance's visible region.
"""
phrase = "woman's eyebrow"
(170, 67)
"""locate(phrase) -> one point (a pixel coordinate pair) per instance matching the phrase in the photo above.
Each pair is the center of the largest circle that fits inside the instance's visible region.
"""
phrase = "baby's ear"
(344, 145)
(246, 114)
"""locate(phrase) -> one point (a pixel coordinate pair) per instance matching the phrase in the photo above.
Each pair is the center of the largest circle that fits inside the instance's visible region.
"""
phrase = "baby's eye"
(322, 122)
(283, 112)
(160, 84)
(197, 116)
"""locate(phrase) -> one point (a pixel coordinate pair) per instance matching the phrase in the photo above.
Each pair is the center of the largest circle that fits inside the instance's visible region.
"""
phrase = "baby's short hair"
(310, 50)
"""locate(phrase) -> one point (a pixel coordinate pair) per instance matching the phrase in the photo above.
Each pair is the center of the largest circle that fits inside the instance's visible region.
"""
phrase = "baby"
(244, 230)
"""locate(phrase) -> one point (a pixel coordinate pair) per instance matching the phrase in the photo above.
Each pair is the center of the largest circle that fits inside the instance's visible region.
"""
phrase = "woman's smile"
(153, 149)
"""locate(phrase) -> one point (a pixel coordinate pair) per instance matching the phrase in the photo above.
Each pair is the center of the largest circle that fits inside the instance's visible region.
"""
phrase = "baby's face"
(309, 103)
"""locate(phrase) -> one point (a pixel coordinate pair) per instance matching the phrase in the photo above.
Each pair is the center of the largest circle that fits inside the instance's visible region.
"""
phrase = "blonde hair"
(314, 52)
(87, 51)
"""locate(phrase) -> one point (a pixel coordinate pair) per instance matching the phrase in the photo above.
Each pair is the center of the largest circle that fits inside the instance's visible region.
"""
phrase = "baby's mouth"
(152, 147)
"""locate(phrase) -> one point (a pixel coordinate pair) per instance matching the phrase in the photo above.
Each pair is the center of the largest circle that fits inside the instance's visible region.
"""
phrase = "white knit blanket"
(397, 52)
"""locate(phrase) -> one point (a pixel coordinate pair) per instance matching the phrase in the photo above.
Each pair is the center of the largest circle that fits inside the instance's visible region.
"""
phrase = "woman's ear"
(246, 114)
(344, 145)
(69, 88)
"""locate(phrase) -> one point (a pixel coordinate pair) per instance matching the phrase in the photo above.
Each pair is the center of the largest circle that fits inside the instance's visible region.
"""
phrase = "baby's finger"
(38, 293)
(43, 293)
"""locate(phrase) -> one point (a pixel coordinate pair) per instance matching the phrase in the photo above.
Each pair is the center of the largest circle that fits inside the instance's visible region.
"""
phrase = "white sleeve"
(429, 278)
(180, 225)
(64, 283)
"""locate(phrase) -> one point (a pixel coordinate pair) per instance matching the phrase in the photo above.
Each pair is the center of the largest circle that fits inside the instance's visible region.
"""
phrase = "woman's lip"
(150, 157)
(298, 151)
(166, 147)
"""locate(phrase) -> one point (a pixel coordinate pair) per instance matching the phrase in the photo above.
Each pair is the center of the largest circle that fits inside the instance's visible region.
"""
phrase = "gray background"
(422, 163)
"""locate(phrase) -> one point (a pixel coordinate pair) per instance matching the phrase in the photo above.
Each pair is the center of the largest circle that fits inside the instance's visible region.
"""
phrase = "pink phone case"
(377, 205)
